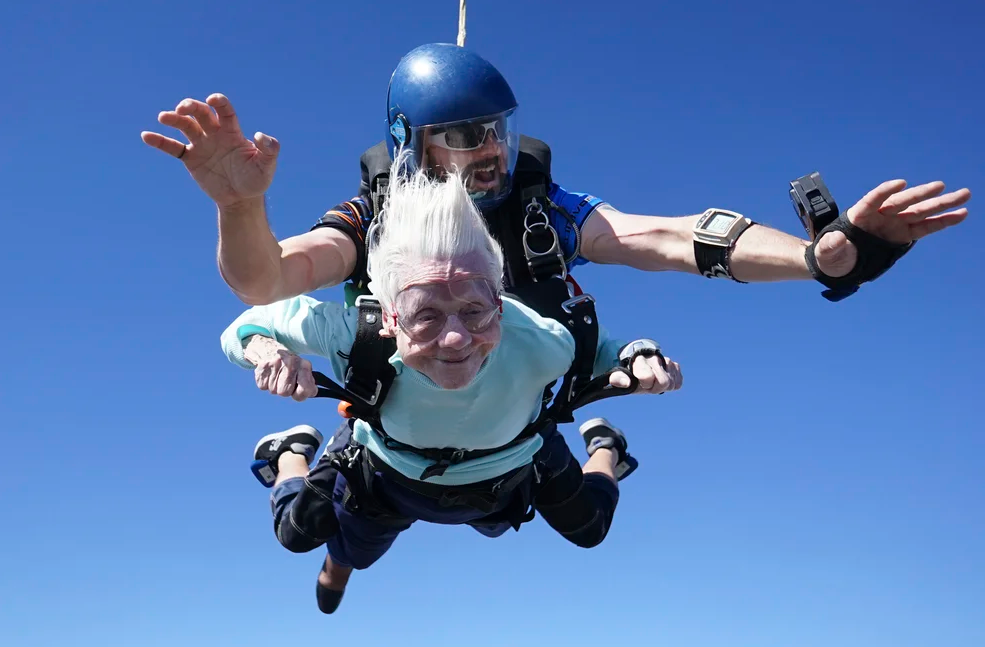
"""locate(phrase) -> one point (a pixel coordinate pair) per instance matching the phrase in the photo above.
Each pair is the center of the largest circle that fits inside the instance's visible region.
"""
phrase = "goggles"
(468, 136)
(422, 311)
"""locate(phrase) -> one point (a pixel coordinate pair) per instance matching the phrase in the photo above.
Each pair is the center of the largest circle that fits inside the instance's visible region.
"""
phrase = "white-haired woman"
(471, 366)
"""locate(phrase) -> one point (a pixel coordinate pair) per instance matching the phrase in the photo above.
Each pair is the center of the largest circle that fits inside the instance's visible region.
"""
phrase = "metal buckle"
(581, 298)
(573, 389)
(535, 209)
(555, 250)
(353, 452)
(555, 247)
(372, 399)
(369, 299)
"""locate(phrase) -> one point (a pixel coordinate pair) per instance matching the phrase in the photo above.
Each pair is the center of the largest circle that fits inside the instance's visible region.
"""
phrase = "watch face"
(719, 223)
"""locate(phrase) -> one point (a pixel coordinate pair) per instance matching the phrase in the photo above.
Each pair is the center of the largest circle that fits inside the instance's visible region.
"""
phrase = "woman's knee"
(283, 501)
(579, 507)
(294, 538)
(309, 518)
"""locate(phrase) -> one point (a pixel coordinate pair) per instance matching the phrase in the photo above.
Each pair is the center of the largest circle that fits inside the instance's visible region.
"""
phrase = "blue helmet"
(452, 109)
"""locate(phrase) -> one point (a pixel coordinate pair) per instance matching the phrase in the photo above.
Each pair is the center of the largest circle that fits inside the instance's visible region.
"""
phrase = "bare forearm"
(655, 243)
(260, 270)
(249, 255)
(650, 243)
(764, 254)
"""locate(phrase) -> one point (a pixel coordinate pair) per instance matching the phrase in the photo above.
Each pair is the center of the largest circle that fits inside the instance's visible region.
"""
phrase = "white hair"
(425, 220)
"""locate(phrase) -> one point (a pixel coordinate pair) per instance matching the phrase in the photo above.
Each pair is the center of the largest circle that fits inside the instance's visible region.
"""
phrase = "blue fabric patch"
(579, 206)
(250, 329)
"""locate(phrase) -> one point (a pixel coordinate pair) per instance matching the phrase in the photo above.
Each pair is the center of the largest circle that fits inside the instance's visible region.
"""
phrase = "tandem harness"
(368, 378)
(536, 273)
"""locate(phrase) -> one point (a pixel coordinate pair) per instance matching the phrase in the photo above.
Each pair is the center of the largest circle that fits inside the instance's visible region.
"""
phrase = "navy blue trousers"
(312, 511)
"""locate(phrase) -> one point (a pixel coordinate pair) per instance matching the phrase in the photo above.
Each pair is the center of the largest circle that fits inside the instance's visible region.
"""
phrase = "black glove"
(875, 256)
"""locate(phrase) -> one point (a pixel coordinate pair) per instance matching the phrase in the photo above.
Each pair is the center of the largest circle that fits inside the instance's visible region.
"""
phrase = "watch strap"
(714, 261)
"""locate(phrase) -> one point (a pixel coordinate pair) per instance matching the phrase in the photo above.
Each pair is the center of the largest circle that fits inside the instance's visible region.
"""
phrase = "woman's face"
(446, 322)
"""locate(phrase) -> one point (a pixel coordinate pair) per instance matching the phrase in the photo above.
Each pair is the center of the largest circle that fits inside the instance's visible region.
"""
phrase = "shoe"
(600, 433)
(331, 575)
(302, 439)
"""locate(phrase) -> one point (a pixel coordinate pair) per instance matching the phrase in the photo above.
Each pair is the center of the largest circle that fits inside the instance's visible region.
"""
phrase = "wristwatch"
(714, 237)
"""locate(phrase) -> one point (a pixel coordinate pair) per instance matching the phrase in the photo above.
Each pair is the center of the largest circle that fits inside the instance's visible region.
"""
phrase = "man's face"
(484, 168)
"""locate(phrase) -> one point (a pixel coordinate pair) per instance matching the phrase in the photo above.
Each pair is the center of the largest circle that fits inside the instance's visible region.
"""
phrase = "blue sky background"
(819, 481)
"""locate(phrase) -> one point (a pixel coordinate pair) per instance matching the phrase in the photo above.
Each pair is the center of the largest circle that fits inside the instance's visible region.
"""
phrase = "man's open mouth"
(484, 174)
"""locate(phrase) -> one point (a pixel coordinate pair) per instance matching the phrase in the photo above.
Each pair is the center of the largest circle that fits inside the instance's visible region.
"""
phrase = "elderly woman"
(471, 366)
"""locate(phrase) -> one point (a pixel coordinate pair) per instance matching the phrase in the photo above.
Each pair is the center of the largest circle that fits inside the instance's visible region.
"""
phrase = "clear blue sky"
(819, 481)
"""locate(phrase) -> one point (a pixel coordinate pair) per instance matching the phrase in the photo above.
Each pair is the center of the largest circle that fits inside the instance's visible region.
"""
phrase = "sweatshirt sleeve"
(304, 325)
(607, 354)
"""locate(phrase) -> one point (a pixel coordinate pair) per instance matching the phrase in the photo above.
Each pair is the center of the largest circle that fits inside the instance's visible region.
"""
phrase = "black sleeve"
(352, 218)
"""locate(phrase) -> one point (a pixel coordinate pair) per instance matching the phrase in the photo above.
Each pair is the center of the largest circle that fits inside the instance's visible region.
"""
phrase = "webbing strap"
(551, 298)
(369, 373)
(541, 245)
(584, 328)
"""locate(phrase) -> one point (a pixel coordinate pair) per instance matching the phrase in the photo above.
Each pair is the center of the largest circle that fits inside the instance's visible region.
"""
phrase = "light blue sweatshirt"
(489, 412)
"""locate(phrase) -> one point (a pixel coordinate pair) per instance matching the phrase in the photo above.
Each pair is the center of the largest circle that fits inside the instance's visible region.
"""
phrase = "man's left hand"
(895, 214)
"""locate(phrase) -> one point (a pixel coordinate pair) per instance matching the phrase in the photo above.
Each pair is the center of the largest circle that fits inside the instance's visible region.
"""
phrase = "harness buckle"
(442, 464)
(573, 390)
(576, 301)
(349, 456)
(552, 256)
(534, 209)
(371, 399)
(583, 302)
(537, 224)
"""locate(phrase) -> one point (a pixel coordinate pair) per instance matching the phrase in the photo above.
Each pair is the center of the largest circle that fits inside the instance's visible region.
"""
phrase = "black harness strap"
(580, 319)
(442, 458)
(485, 496)
(541, 246)
(374, 166)
(508, 222)
(359, 494)
(369, 374)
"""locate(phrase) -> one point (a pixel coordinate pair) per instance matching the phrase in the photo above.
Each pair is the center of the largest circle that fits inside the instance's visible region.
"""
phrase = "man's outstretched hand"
(229, 167)
(895, 214)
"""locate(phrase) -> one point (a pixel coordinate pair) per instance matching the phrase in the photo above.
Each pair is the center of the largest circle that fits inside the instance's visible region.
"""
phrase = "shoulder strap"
(508, 221)
(368, 375)
(534, 158)
(552, 299)
(374, 166)
(538, 272)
